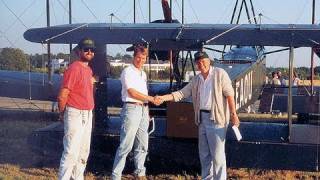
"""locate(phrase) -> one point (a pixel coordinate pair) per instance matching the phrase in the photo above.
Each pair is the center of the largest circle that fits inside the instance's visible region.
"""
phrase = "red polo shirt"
(78, 79)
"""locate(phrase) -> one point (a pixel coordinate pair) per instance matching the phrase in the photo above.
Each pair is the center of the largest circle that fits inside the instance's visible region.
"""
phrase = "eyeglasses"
(87, 50)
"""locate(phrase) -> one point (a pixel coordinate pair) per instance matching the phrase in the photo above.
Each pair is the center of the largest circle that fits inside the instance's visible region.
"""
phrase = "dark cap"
(86, 43)
(200, 55)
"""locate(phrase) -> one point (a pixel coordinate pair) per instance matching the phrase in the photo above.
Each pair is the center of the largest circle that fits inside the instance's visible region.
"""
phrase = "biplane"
(245, 64)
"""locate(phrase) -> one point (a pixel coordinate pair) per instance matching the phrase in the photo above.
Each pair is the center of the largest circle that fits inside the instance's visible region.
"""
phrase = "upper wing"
(164, 36)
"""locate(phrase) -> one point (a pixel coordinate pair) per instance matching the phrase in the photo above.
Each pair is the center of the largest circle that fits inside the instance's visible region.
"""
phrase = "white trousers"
(76, 143)
(212, 155)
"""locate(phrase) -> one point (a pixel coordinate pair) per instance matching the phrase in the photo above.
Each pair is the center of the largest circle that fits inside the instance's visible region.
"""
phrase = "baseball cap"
(200, 55)
(86, 43)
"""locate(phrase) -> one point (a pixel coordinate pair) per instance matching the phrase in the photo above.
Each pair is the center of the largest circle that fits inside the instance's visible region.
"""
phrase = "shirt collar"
(209, 75)
(139, 72)
(135, 69)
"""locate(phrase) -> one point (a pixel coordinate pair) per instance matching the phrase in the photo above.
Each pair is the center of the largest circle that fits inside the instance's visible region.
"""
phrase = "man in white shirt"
(213, 102)
(134, 116)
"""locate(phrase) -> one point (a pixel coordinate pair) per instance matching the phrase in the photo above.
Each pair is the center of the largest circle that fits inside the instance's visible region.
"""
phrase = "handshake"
(158, 100)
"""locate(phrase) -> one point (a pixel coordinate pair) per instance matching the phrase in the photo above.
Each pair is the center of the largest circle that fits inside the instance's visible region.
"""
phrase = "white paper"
(237, 132)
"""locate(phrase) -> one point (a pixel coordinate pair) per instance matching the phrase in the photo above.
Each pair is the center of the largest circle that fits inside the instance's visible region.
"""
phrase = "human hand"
(61, 116)
(157, 100)
(235, 119)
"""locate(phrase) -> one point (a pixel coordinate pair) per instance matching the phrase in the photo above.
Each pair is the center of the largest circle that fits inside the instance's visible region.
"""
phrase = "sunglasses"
(87, 50)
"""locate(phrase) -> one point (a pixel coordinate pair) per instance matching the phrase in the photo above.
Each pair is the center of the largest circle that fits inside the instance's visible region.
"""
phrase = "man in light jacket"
(213, 102)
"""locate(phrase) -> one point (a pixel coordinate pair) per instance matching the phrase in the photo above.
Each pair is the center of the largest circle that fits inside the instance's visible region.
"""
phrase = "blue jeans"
(212, 149)
(133, 133)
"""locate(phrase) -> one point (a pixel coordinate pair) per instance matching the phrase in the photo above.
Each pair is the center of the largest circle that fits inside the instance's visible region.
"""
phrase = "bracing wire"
(66, 10)
(124, 51)
(123, 3)
(223, 33)
(277, 59)
(144, 18)
(55, 17)
(37, 19)
(14, 14)
(32, 24)
(54, 12)
(23, 12)
(115, 12)
(129, 12)
(194, 12)
(226, 9)
(178, 5)
(86, 5)
(113, 15)
(66, 32)
(271, 19)
(17, 18)
(299, 14)
(12, 45)
(42, 59)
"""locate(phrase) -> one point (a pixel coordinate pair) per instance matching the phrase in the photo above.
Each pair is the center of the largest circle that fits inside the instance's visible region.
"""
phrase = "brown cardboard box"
(180, 120)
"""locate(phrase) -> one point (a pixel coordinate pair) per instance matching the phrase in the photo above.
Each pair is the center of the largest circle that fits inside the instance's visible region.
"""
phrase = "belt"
(137, 103)
(204, 111)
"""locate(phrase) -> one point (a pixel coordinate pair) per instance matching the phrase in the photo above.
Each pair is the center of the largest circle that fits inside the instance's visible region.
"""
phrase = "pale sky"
(32, 14)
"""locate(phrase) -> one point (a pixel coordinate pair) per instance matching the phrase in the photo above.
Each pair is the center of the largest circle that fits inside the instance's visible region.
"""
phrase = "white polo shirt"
(205, 88)
(131, 77)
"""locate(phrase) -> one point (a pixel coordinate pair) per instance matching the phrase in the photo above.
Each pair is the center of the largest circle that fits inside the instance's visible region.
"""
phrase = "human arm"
(177, 95)
(228, 92)
(62, 101)
(233, 114)
(142, 97)
(140, 93)
(167, 97)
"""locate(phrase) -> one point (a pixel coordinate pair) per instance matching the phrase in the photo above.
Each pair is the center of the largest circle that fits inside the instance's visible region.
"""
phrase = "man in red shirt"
(76, 102)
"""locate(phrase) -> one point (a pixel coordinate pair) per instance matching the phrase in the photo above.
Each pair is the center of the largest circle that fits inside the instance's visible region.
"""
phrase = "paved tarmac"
(25, 104)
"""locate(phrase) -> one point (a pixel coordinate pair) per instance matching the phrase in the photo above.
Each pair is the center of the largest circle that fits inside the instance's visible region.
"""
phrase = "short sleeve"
(70, 78)
(227, 88)
(127, 79)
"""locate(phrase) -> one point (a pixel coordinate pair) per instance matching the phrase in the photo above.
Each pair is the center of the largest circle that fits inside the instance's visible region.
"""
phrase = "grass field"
(17, 161)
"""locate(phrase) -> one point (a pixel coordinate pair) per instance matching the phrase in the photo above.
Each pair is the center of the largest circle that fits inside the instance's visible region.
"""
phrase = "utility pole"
(171, 9)
(149, 11)
(289, 105)
(48, 45)
(134, 11)
(312, 53)
(70, 22)
(182, 16)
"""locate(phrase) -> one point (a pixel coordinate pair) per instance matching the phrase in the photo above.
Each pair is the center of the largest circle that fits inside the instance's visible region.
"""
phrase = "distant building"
(153, 66)
(118, 63)
(156, 67)
(58, 63)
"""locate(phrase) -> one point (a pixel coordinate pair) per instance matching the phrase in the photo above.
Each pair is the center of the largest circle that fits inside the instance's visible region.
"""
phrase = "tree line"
(16, 59)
